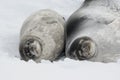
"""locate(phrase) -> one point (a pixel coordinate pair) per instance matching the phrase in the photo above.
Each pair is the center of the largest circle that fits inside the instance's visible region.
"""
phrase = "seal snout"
(85, 48)
(31, 49)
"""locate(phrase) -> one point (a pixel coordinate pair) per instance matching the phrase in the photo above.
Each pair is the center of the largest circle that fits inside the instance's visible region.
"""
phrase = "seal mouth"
(30, 49)
(84, 48)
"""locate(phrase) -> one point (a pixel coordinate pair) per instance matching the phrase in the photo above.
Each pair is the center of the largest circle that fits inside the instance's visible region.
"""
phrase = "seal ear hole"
(84, 47)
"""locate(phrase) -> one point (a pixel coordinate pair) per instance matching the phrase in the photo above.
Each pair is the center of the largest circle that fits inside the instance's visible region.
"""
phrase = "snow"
(12, 15)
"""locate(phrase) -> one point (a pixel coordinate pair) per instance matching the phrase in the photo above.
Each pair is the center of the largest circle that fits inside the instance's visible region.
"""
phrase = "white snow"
(12, 15)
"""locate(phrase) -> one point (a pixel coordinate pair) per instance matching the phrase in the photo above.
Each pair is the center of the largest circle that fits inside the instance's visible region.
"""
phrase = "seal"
(42, 36)
(93, 31)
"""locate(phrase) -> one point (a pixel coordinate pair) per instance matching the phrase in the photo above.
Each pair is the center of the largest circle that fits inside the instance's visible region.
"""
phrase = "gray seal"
(93, 32)
(42, 36)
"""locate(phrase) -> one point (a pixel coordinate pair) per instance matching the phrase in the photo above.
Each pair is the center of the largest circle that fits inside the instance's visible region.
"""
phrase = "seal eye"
(85, 48)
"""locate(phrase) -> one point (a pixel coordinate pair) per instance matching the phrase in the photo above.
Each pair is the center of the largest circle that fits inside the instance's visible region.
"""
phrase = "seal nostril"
(28, 43)
(26, 50)
(30, 55)
(86, 47)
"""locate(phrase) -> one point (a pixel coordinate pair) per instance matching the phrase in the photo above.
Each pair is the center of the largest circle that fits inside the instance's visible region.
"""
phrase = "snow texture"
(12, 15)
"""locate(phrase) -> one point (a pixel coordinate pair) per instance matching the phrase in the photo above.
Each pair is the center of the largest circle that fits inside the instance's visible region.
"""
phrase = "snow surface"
(12, 15)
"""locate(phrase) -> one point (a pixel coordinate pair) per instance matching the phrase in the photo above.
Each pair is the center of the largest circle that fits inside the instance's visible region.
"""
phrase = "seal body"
(93, 31)
(42, 36)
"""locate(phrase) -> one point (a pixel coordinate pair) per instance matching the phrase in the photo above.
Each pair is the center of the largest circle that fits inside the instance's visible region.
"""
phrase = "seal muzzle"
(84, 48)
(30, 49)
